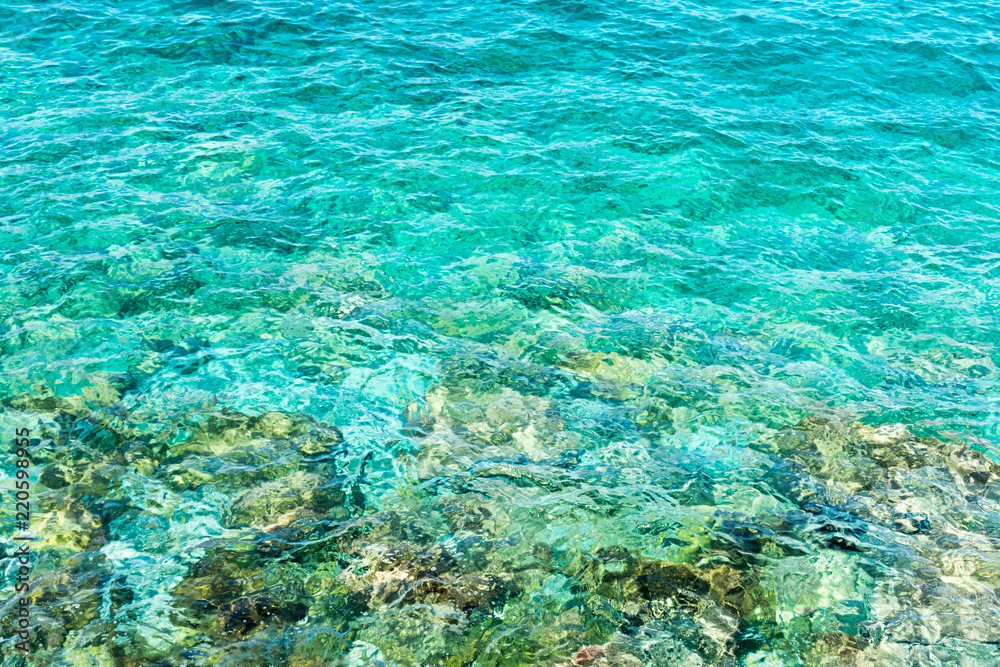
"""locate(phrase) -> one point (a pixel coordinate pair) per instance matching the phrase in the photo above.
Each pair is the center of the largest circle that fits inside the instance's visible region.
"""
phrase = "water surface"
(395, 333)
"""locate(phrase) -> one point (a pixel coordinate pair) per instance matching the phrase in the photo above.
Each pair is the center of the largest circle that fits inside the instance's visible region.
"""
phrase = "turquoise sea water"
(503, 333)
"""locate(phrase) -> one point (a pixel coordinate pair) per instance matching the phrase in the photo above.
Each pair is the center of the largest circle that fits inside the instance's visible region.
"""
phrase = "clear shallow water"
(398, 333)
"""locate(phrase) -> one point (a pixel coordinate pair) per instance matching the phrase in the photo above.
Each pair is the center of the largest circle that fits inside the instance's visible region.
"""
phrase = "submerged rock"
(222, 575)
(269, 503)
(234, 451)
(611, 375)
(67, 601)
(404, 575)
(926, 506)
(837, 649)
(73, 517)
(616, 574)
(471, 565)
(857, 455)
(719, 600)
(495, 423)
(587, 655)
(425, 634)
(233, 592)
(245, 614)
(609, 655)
